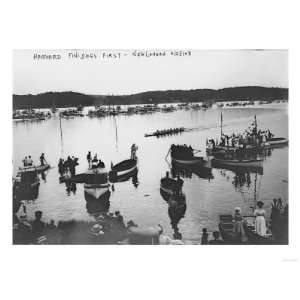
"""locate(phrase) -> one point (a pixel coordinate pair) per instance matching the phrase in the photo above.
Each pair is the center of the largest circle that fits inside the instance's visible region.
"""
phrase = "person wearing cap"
(260, 221)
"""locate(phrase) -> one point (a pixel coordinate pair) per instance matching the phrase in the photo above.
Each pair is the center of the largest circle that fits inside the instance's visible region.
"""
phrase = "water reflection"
(70, 187)
(97, 206)
(176, 210)
(189, 171)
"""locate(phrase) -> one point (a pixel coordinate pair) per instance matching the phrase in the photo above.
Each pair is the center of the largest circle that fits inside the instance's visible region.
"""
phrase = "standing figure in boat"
(133, 151)
(260, 222)
(42, 159)
(95, 161)
(89, 158)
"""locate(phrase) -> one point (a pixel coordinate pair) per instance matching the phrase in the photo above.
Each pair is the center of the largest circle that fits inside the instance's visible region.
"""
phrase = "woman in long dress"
(237, 222)
(260, 221)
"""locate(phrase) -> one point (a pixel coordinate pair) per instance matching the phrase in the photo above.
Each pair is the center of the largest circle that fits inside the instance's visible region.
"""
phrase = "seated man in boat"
(29, 161)
(25, 163)
(100, 164)
(133, 151)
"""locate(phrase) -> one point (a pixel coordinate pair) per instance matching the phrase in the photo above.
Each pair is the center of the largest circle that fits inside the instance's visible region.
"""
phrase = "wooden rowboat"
(255, 238)
(168, 185)
(125, 167)
(237, 162)
(277, 141)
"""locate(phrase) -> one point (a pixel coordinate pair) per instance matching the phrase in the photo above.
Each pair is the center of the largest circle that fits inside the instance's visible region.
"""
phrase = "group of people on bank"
(28, 161)
(252, 136)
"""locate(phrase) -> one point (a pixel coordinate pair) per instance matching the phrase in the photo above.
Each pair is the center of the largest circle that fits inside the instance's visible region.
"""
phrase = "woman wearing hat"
(237, 222)
(260, 222)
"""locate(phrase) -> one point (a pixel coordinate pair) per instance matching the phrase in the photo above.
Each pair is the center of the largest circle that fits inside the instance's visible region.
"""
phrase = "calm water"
(112, 137)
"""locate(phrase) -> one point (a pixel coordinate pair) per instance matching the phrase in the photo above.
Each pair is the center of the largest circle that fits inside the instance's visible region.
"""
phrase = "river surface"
(111, 138)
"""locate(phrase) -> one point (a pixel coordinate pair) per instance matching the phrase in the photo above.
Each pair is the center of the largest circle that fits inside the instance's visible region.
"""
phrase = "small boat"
(277, 141)
(185, 156)
(196, 160)
(42, 168)
(123, 168)
(96, 182)
(237, 162)
(26, 184)
(168, 185)
(226, 230)
(255, 238)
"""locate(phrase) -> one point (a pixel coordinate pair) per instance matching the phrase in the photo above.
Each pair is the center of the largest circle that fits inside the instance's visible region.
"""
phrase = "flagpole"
(221, 124)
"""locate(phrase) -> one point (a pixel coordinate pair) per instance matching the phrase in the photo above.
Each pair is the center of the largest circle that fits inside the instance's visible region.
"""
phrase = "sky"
(116, 72)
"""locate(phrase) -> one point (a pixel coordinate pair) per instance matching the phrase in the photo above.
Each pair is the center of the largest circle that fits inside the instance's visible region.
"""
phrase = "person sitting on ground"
(204, 239)
(216, 240)
(38, 226)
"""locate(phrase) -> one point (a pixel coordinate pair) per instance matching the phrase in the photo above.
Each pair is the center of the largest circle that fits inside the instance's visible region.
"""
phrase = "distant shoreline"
(70, 99)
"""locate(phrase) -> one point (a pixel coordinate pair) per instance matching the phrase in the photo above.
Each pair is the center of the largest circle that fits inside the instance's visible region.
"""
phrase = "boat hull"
(237, 163)
(123, 169)
(96, 190)
(196, 161)
(278, 142)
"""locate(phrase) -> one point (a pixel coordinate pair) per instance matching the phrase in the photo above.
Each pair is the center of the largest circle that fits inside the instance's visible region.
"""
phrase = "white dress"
(260, 222)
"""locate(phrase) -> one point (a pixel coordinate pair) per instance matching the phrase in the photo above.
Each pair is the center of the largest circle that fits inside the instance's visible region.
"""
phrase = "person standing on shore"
(260, 221)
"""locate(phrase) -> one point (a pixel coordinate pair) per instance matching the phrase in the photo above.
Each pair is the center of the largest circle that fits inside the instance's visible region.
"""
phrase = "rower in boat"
(133, 151)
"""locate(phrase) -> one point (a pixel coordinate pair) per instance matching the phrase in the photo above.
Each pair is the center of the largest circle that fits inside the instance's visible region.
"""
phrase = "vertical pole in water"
(255, 123)
(255, 181)
(61, 137)
(221, 124)
(116, 133)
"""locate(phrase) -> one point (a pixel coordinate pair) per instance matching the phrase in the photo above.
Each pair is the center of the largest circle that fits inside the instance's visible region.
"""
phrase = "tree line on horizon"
(73, 99)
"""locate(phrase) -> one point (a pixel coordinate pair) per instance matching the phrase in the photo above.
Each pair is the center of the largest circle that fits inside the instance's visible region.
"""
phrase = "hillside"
(68, 99)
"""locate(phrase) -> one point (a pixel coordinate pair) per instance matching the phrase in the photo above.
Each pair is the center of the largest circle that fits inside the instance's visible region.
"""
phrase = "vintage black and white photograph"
(150, 147)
